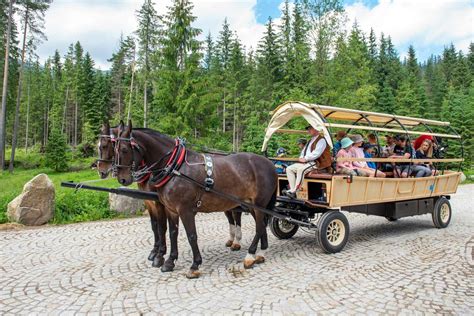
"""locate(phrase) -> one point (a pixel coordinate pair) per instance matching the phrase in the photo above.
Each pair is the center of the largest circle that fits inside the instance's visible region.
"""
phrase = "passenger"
(417, 143)
(345, 167)
(358, 152)
(281, 152)
(404, 151)
(372, 140)
(387, 150)
(369, 152)
(315, 155)
(337, 145)
(425, 151)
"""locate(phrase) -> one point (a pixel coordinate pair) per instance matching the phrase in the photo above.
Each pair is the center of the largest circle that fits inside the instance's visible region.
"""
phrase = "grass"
(70, 206)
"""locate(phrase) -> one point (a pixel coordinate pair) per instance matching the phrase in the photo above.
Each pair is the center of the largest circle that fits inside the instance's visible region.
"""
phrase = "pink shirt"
(358, 152)
(342, 153)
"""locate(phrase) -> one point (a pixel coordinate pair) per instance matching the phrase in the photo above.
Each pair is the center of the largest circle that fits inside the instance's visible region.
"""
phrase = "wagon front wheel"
(333, 231)
(282, 229)
(442, 213)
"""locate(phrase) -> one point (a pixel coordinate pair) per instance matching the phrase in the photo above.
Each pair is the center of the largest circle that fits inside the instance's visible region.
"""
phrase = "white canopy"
(286, 112)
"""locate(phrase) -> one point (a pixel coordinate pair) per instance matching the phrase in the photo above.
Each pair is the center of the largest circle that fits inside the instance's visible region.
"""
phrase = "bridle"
(100, 159)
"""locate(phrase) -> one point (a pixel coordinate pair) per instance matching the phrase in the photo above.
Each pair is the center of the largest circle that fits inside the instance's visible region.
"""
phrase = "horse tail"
(270, 206)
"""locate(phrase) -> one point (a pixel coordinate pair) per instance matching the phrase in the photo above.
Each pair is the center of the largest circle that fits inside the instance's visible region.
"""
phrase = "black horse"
(248, 177)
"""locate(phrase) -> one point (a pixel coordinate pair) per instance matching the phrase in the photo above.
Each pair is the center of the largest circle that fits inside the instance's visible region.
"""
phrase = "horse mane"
(152, 132)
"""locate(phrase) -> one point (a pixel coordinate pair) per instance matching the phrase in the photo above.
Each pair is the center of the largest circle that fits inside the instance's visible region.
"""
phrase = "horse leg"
(260, 258)
(189, 223)
(161, 230)
(231, 221)
(173, 223)
(237, 216)
(260, 228)
(154, 228)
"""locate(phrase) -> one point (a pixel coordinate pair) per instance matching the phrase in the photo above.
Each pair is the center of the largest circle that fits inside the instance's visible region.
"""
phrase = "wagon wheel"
(442, 213)
(333, 231)
(282, 229)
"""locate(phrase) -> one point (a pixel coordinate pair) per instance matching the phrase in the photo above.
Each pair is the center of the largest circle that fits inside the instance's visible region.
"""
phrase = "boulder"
(35, 205)
(125, 204)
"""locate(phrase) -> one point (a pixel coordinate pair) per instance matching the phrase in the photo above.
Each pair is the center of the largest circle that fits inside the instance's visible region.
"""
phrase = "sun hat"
(357, 138)
(318, 128)
(346, 142)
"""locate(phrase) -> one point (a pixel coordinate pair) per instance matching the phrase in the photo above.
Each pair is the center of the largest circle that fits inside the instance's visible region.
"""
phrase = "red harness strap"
(145, 178)
(180, 161)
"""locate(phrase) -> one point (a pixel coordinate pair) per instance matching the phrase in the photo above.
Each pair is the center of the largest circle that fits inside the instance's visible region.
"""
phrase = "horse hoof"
(158, 262)
(167, 267)
(248, 263)
(152, 255)
(235, 247)
(193, 274)
(229, 243)
(259, 259)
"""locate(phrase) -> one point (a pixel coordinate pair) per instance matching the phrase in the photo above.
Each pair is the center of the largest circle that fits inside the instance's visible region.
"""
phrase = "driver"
(315, 155)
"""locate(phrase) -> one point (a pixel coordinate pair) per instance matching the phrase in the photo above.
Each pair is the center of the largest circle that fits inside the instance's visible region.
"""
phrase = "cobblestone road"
(400, 267)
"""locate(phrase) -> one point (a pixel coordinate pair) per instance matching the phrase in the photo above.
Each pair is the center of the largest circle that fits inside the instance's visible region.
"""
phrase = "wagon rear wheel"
(442, 213)
(333, 231)
(282, 229)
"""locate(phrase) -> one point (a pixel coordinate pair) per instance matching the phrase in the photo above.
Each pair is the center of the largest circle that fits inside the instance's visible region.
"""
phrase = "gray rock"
(35, 205)
(125, 204)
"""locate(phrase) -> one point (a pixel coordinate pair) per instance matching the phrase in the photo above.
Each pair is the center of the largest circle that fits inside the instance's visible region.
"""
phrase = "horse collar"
(174, 163)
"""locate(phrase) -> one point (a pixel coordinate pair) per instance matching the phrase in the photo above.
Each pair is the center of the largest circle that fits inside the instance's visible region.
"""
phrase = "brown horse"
(248, 177)
(105, 164)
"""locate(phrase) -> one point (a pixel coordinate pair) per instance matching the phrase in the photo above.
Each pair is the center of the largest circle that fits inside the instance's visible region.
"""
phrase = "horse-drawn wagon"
(322, 196)
(183, 182)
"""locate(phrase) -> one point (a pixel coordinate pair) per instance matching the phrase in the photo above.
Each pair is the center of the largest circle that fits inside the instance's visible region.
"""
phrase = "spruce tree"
(56, 148)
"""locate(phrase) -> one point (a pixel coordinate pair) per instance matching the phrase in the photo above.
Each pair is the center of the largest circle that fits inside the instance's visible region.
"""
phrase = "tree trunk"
(145, 104)
(27, 115)
(76, 106)
(223, 116)
(131, 89)
(5, 88)
(234, 132)
(65, 110)
(18, 97)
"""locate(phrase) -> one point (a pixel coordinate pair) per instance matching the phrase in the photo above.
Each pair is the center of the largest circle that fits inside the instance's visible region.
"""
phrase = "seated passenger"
(402, 150)
(345, 167)
(358, 152)
(369, 151)
(387, 150)
(425, 151)
(337, 145)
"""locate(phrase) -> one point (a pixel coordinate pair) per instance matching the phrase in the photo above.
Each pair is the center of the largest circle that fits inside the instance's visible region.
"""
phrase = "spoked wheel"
(333, 231)
(282, 229)
(442, 213)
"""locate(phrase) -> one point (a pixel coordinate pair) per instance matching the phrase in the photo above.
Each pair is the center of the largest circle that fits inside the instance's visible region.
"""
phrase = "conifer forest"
(211, 89)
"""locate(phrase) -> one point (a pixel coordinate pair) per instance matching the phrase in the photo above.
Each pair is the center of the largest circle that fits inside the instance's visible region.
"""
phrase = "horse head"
(106, 150)
(128, 154)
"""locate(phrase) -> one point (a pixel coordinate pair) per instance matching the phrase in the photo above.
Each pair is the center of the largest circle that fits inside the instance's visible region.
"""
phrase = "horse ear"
(106, 127)
(130, 125)
(120, 127)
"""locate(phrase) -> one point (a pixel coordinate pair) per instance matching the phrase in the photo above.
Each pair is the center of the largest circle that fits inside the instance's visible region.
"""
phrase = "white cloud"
(98, 24)
(423, 23)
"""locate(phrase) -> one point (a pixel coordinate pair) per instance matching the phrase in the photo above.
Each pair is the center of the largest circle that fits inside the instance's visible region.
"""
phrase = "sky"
(428, 25)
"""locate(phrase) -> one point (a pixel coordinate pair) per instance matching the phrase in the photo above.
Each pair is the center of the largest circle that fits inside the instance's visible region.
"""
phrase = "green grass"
(70, 206)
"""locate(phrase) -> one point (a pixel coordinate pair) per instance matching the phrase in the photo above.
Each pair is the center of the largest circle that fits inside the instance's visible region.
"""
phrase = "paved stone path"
(387, 267)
